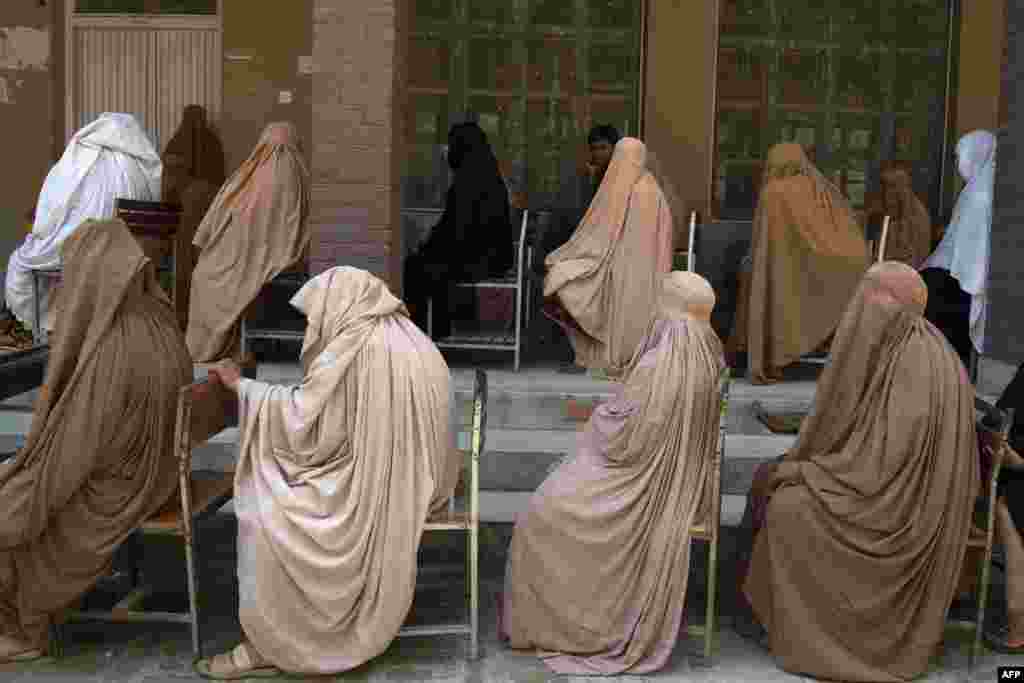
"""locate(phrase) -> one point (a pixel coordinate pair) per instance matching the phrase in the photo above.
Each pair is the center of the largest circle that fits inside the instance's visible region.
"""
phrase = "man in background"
(570, 207)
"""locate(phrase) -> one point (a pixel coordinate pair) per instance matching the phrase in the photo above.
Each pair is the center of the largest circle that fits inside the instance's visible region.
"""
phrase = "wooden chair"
(155, 226)
(705, 530)
(466, 521)
(205, 408)
(997, 423)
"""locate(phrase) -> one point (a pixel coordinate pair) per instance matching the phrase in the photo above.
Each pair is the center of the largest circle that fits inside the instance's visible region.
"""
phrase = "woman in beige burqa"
(598, 565)
(335, 480)
(254, 230)
(860, 530)
(99, 456)
(601, 285)
(807, 255)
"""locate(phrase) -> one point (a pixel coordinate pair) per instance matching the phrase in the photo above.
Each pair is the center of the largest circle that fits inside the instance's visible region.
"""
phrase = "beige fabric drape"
(99, 457)
(336, 478)
(864, 539)
(808, 255)
(255, 229)
(598, 565)
(602, 284)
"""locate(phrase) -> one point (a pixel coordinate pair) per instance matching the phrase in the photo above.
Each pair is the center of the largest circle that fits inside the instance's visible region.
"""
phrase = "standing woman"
(957, 272)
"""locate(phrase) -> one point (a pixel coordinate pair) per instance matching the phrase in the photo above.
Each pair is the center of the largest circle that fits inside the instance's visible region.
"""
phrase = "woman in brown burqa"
(808, 254)
(602, 285)
(336, 478)
(193, 173)
(598, 566)
(860, 530)
(254, 230)
(910, 229)
(99, 456)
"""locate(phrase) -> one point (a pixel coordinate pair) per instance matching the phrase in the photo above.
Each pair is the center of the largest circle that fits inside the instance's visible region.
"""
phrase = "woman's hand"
(227, 373)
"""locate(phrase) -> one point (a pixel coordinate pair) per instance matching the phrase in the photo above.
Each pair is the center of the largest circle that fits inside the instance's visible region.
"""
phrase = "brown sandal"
(242, 662)
(14, 651)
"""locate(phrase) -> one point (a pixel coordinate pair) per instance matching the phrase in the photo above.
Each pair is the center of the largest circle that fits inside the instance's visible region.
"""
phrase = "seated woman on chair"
(807, 255)
(602, 285)
(99, 458)
(472, 241)
(860, 531)
(254, 230)
(335, 480)
(598, 565)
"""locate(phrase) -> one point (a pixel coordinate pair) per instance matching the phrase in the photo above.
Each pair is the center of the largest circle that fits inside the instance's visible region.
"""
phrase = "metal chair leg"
(711, 615)
(193, 597)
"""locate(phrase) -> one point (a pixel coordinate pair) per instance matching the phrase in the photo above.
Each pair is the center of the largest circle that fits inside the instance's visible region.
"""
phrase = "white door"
(151, 66)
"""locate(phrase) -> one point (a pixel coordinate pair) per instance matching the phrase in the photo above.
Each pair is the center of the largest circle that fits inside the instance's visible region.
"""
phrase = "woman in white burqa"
(111, 158)
(335, 480)
(598, 565)
(957, 271)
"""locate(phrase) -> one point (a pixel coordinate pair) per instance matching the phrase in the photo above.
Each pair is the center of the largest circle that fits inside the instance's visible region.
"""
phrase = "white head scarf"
(964, 250)
(113, 157)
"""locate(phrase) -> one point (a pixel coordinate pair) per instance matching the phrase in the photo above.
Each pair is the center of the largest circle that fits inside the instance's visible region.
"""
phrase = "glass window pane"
(187, 7)
(111, 6)
(205, 7)
(533, 73)
(852, 81)
(429, 62)
(612, 14)
(611, 65)
(494, 65)
(434, 10)
(557, 13)
(744, 17)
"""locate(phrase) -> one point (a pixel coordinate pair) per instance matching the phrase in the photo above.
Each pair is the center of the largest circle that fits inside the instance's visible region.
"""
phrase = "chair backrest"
(205, 408)
(521, 245)
(713, 488)
(478, 435)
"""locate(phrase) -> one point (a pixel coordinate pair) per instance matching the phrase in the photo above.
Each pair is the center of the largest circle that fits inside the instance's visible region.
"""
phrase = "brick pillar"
(357, 146)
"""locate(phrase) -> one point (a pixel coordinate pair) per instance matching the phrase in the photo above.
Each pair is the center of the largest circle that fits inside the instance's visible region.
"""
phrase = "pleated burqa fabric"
(255, 229)
(863, 541)
(336, 478)
(99, 458)
(598, 565)
(808, 254)
(602, 285)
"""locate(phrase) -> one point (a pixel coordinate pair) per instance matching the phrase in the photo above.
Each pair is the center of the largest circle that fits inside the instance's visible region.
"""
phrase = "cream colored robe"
(602, 284)
(336, 478)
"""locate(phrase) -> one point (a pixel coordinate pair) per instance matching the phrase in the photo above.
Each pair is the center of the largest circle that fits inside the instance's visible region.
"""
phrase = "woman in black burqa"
(471, 242)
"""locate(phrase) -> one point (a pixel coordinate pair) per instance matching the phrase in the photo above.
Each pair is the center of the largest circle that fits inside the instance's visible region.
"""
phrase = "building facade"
(374, 85)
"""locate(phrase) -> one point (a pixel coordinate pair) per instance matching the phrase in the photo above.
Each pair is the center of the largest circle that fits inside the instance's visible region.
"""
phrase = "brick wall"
(357, 134)
(1005, 330)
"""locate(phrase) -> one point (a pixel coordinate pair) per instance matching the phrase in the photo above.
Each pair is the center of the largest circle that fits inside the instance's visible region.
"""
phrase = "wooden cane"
(689, 246)
(882, 240)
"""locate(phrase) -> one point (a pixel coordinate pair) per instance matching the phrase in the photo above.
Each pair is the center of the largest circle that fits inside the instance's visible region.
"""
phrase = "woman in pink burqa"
(598, 565)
